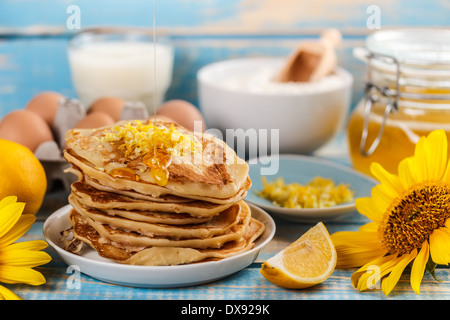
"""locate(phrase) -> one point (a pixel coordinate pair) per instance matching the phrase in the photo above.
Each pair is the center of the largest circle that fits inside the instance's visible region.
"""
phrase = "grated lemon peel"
(155, 144)
(138, 140)
(318, 193)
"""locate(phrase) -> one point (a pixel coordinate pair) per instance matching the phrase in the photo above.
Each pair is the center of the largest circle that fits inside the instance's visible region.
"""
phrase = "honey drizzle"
(124, 173)
(155, 145)
(158, 169)
(161, 159)
(158, 164)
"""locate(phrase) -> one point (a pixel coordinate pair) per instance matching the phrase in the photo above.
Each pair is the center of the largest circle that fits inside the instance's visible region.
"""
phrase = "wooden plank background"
(33, 58)
(34, 34)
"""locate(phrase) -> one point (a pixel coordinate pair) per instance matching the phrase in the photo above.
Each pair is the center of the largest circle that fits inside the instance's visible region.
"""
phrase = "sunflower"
(410, 225)
(17, 259)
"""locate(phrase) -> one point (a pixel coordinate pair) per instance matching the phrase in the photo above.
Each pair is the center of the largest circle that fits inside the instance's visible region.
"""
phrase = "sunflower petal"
(6, 294)
(7, 201)
(356, 248)
(440, 246)
(405, 172)
(29, 245)
(390, 181)
(362, 279)
(391, 281)
(438, 156)
(15, 274)
(23, 258)
(447, 223)
(418, 267)
(20, 228)
(9, 215)
(382, 198)
(420, 168)
(431, 154)
(368, 208)
(369, 227)
(379, 271)
(446, 176)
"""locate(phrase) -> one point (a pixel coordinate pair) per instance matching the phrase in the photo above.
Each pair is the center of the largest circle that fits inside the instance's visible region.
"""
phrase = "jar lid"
(429, 46)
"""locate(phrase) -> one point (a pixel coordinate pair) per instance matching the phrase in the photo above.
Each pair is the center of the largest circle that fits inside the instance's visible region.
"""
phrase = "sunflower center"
(413, 216)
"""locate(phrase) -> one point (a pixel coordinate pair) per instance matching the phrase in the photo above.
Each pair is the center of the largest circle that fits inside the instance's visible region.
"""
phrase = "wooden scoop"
(312, 60)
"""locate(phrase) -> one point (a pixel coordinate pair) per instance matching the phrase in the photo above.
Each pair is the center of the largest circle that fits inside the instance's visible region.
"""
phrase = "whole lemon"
(21, 175)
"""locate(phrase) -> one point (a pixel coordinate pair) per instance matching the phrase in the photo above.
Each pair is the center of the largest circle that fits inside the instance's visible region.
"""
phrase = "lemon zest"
(137, 139)
(318, 193)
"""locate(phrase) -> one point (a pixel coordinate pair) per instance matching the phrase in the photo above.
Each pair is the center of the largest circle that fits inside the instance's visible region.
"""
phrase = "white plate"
(301, 169)
(90, 263)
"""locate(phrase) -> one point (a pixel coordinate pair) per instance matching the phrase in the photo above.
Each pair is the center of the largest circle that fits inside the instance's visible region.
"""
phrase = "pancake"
(161, 256)
(157, 194)
(218, 225)
(109, 201)
(130, 193)
(175, 255)
(171, 218)
(142, 190)
(211, 171)
(132, 240)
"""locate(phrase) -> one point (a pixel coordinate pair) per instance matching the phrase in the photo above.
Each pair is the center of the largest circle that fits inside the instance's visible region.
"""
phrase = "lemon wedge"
(308, 261)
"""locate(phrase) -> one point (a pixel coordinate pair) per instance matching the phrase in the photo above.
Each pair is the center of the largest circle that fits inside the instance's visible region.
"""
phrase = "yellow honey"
(401, 132)
(158, 162)
(156, 145)
(124, 173)
(408, 69)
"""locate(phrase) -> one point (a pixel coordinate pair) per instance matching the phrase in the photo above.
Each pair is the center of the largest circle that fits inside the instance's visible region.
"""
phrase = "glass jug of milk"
(122, 65)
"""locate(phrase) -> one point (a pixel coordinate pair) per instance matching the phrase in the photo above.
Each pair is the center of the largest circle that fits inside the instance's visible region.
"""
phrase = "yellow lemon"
(21, 175)
(308, 261)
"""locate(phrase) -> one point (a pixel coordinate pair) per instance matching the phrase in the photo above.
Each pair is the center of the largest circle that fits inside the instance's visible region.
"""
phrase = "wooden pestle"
(312, 60)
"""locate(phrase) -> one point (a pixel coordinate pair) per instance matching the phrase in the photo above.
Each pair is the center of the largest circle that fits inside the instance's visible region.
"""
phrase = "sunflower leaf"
(431, 267)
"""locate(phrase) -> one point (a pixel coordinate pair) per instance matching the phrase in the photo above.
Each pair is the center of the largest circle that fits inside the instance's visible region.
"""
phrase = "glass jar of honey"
(406, 95)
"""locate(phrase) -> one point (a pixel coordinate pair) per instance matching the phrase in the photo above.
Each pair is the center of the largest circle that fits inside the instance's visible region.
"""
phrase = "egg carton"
(69, 113)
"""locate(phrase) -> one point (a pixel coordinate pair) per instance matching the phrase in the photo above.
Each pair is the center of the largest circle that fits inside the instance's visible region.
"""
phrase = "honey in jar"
(407, 95)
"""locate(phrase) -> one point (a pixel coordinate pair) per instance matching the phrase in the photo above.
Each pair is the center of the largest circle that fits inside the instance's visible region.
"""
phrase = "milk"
(123, 69)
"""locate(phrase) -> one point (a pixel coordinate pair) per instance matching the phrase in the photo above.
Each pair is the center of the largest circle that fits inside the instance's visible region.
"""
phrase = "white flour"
(261, 81)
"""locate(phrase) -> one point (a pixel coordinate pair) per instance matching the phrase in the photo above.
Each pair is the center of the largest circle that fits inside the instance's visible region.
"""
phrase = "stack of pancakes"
(151, 204)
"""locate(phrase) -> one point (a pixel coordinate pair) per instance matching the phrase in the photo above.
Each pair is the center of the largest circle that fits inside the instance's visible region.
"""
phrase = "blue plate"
(301, 169)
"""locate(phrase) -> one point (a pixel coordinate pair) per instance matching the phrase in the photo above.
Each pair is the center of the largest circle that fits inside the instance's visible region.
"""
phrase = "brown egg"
(112, 106)
(182, 112)
(95, 120)
(26, 128)
(45, 105)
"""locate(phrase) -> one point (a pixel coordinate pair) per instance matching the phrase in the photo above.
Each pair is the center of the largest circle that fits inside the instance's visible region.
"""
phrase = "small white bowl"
(240, 95)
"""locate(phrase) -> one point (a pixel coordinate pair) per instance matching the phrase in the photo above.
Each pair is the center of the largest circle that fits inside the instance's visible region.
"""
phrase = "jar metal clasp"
(372, 93)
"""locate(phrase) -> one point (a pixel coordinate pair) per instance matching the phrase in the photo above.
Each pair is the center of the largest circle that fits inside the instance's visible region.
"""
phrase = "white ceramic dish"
(307, 116)
(301, 169)
(90, 263)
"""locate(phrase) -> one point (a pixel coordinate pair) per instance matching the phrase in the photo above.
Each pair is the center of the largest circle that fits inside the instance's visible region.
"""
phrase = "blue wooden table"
(33, 58)
(247, 284)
